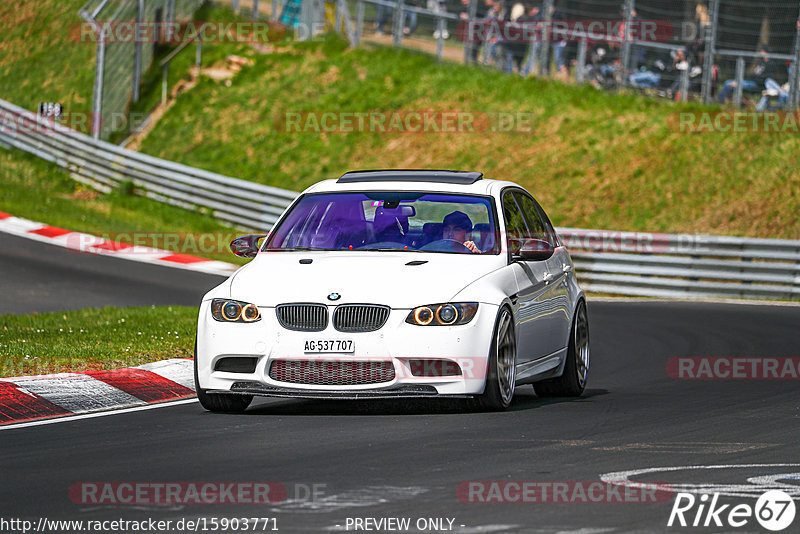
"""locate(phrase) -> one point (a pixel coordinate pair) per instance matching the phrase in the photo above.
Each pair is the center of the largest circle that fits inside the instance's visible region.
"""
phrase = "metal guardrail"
(104, 166)
(684, 265)
(623, 263)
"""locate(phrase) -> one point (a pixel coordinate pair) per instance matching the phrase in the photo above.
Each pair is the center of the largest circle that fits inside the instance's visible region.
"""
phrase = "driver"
(455, 226)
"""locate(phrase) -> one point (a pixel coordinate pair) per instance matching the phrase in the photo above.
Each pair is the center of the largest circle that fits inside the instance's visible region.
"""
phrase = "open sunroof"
(399, 175)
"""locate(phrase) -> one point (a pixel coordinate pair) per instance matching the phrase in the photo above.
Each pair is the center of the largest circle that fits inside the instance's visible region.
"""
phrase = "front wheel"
(502, 368)
(219, 402)
(572, 381)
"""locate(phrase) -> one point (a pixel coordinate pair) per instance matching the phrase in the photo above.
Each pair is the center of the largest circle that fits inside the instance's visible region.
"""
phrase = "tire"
(502, 363)
(572, 381)
(219, 402)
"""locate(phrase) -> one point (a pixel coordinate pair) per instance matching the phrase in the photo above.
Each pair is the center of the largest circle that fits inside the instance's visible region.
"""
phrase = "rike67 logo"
(774, 510)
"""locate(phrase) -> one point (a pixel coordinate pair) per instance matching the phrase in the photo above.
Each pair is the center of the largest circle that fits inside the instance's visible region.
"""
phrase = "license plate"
(329, 345)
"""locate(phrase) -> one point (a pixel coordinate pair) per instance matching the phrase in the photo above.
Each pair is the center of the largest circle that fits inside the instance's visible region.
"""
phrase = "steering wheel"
(446, 245)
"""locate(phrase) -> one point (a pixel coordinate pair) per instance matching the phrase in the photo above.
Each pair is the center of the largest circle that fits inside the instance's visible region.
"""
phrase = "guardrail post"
(137, 54)
(198, 58)
(580, 67)
(399, 21)
(235, 6)
(97, 90)
(737, 93)
(275, 9)
(255, 10)
(337, 16)
(547, 34)
(711, 39)
(359, 21)
(625, 59)
(164, 82)
(439, 37)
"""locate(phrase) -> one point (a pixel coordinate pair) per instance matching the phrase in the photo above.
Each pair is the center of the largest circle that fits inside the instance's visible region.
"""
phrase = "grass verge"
(93, 339)
(35, 189)
(41, 59)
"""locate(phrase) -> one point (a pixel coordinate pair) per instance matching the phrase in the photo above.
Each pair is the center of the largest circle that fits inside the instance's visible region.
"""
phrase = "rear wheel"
(572, 381)
(219, 402)
(502, 370)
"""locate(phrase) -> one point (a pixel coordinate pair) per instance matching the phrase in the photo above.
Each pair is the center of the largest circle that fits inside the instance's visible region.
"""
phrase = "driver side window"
(530, 211)
(516, 229)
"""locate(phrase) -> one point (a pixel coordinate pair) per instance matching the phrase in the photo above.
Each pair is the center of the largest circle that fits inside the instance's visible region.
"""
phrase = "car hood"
(387, 278)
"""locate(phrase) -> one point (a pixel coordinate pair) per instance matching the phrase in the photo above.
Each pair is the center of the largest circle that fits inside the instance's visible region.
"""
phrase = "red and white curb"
(29, 398)
(87, 243)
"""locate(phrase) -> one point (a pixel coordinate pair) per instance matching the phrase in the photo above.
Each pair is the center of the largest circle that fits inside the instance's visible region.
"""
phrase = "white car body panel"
(542, 295)
(360, 277)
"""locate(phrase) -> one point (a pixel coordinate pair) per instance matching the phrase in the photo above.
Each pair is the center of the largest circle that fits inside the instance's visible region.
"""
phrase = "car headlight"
(446, 314)
(234, 311)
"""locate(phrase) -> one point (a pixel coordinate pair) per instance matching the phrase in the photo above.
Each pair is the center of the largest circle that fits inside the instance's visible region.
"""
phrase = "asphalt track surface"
(39, 277)
(391, 459)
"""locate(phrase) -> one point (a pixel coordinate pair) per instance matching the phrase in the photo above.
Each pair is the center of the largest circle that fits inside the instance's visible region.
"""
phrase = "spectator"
(559, 48)
(534, 17)
(661, 73)
(410, 22)
(463, 15)
(384, 13)
(516, 48)
(765, 69)
(702, 20)
(438, 6)
(494, 10)
(695, 51)
(776, 92)
(382, 17)
(463, 10)
(603, 64)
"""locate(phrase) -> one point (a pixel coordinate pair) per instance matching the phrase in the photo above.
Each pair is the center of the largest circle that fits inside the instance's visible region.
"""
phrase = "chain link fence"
(120, 63)
(738, 51)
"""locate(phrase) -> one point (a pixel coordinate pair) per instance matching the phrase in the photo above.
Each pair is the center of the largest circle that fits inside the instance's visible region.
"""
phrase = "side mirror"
(246, 246)
(535, 250)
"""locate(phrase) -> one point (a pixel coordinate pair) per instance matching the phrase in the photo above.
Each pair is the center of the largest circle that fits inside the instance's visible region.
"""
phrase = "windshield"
(403, 221)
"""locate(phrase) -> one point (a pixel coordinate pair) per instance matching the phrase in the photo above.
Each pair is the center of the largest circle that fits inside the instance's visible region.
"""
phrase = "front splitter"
(404, 392)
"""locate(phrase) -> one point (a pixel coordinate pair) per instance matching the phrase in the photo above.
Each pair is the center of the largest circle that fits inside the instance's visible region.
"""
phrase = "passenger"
(455, 226)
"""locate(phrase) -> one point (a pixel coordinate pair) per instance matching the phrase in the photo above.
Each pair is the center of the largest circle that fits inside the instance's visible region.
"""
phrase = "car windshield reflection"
(389, 222)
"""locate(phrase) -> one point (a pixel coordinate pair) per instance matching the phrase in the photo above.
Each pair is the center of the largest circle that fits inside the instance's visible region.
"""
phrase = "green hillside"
(592, 158)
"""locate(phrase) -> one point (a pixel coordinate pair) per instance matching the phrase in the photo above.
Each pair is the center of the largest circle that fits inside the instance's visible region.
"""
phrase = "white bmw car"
(397, 283)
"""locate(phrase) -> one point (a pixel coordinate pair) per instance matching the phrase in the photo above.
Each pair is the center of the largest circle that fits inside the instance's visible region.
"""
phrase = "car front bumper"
(397, 344)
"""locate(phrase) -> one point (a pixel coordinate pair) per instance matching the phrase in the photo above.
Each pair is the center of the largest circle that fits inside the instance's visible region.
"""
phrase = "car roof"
(468, 182)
